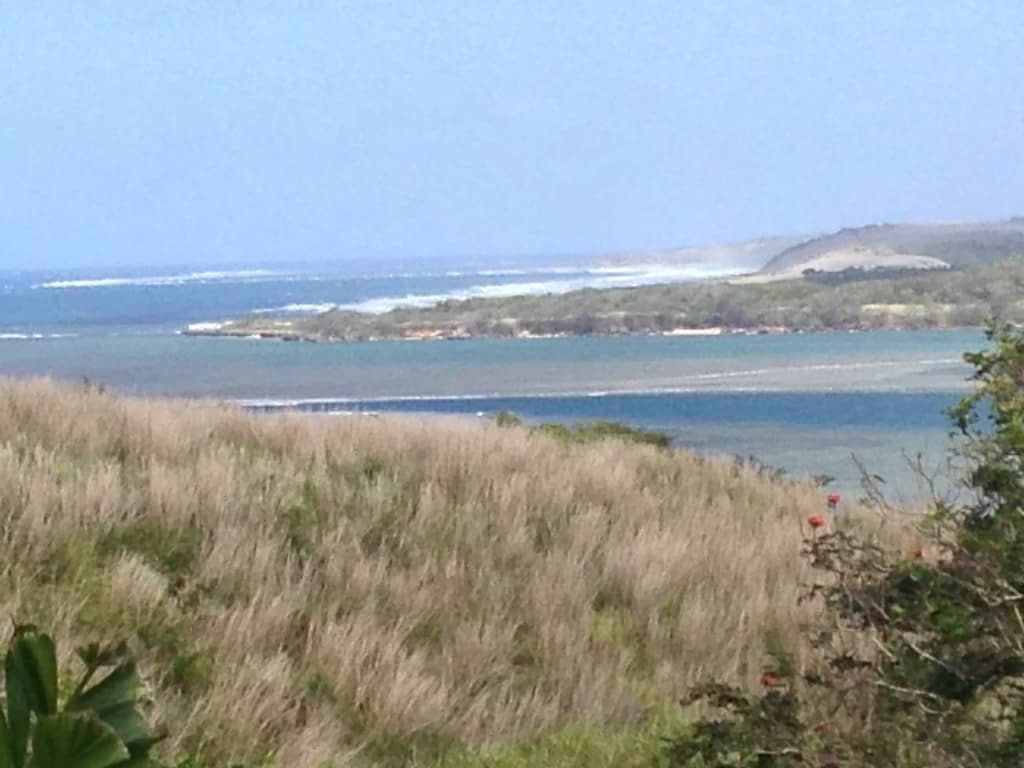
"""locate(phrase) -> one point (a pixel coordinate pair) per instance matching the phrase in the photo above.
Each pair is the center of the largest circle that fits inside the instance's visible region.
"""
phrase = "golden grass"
(315, 587)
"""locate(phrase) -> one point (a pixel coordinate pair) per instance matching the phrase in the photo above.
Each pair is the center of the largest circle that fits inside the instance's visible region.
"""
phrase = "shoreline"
(933, 299)
(392, 403)
(291, 334)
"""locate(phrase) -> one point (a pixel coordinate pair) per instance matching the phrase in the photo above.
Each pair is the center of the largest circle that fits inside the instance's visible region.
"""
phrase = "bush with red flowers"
(916, 662)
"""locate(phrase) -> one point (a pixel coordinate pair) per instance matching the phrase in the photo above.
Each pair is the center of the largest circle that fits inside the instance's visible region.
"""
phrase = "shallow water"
(162, 363)
(801, 402)
(812, 433)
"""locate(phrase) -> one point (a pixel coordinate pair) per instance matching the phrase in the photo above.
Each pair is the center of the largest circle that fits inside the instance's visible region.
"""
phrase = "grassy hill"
(956, 244)
(309, 592)
(748, 254)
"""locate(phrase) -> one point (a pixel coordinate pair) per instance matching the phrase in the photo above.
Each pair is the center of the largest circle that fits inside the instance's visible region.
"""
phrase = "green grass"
(583, 746)
(586, 746)
(594, 431)
(589, 431)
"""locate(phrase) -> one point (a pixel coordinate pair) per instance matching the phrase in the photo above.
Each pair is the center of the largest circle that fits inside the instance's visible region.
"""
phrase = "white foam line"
(295, 309)
(156, 280)
(656, 391)
(675, 390)
(821, 367)
(597, 278)
(253, 274)
(36, 336)
(593, 277)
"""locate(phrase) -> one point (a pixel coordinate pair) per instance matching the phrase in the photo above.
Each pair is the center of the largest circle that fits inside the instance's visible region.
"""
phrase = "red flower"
(815, 521)
(833, 499)
(768, 680)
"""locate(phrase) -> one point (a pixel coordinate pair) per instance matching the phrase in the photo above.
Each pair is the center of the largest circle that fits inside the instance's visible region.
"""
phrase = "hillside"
(378, 592)
(954, 244)
(848, 300)
(748, 254)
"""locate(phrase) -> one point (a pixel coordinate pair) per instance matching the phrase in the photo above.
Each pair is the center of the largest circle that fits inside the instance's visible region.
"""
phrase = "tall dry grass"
(321, 588)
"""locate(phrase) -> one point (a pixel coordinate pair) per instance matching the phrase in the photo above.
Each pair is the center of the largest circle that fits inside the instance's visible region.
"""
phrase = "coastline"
(934, 299)
(288, 332)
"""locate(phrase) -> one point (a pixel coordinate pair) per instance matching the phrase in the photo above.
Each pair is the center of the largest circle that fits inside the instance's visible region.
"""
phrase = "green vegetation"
(98, 726)
(919, 661)
(590, 431)
(856, 301)
(377, 593)
(959, 244)
(369, 593)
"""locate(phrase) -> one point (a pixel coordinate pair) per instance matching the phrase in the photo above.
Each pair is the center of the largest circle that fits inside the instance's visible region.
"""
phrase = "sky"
(230, 132)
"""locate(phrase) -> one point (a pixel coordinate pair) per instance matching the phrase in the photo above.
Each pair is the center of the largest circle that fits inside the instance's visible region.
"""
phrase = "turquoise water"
(801, 402)
(167, 364)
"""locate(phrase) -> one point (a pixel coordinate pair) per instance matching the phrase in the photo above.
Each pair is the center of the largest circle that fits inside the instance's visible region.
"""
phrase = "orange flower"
(815, 521)
(918, 554)
(768, 680)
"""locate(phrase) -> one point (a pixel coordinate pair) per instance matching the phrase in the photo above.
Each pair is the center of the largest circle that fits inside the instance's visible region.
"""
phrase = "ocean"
(805, 403)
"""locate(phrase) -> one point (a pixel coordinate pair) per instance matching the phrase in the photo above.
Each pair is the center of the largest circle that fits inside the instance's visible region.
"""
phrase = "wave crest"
(240, 275)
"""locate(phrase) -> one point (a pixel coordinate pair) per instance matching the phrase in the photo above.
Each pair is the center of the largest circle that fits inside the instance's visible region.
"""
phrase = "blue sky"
(228, 132)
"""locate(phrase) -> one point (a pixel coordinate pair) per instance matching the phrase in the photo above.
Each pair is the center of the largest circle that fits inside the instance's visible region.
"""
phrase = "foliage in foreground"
(96, 726)
(917, 662)
(381, 592)
(920, 660)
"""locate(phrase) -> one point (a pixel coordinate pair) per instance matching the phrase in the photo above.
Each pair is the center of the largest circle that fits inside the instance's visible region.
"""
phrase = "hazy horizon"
(227, 136)
(415, 264)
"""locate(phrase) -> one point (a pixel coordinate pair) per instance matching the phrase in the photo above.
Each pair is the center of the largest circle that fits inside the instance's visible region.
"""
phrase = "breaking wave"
(36, 336)
(241, 275)
(295, 309)
(596, 278)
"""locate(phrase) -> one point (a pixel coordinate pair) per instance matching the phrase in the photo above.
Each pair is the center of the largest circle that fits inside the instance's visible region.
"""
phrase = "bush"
(920, 660)
(595, 431)
(589, 431)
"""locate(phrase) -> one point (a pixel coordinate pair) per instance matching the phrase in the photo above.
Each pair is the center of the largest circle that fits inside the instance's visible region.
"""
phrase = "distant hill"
(918, 244)
(747, 254)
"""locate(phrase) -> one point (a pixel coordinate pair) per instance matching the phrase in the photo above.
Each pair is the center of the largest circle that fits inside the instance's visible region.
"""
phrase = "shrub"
(595, 431)
(920, 660)
(589, 431)
(505, 418)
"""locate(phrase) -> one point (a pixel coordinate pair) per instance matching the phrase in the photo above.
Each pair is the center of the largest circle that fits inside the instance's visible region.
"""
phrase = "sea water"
(806, 403)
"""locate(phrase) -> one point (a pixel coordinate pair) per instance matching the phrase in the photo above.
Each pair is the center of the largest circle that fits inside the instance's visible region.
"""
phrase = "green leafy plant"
(919, 660)
(98, 726)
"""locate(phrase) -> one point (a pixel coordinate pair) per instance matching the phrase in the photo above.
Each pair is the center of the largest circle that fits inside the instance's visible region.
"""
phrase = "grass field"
(371, 591)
